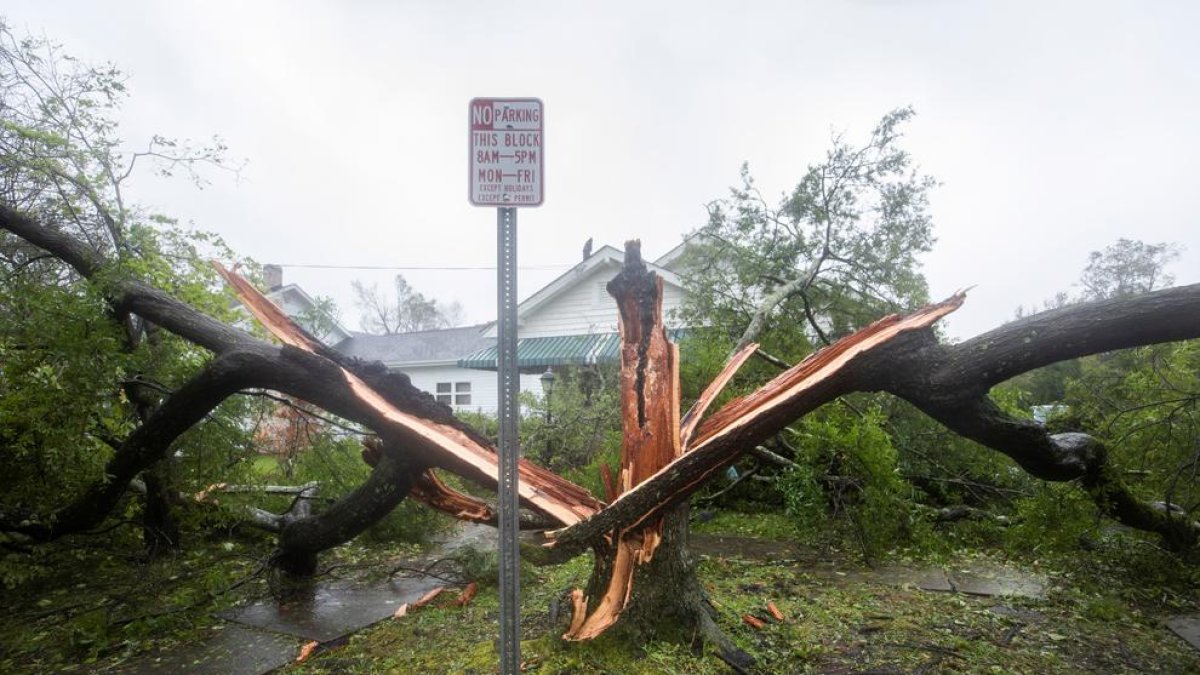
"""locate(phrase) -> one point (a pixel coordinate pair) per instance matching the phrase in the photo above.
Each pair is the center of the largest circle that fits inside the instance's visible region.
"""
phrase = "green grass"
(832, 625)
(1104, 613)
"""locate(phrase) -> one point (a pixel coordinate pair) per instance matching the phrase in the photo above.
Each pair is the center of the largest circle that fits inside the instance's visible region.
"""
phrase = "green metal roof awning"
(543, 352)
(560, 350)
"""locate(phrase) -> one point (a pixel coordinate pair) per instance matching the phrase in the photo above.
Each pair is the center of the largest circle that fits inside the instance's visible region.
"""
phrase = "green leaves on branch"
(835, 254)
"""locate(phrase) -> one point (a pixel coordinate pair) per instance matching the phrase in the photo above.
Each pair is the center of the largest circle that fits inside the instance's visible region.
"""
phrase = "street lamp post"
(547, 379)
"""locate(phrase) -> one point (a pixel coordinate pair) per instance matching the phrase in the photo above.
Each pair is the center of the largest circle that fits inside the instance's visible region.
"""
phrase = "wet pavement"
(326, 612)
(981, 579)
(267, 634)
(232, 650)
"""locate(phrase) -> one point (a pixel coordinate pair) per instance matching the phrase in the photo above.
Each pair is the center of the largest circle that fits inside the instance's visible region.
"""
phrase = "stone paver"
(1186, 626)
(991, 581)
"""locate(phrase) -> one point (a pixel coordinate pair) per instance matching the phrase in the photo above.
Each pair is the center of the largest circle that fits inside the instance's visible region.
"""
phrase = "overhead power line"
(451, 268)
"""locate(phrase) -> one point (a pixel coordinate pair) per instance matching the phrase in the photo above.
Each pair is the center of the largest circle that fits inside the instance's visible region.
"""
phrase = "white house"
(572, 321)
(301, 307)
(430, 359)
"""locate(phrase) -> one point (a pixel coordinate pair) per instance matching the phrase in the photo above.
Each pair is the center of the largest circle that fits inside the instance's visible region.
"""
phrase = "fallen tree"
(642, 568)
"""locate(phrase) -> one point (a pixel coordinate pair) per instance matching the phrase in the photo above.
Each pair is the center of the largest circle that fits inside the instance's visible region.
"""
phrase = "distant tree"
(835, 254)
(1128, 267)
(405, 312)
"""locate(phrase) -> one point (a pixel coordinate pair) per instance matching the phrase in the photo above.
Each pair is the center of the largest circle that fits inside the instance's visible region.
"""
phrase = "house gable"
(577, 302)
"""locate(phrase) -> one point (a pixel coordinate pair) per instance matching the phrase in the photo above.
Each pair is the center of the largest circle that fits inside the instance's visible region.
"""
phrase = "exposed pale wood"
(430, 490)
(578, 611)
(540, 490)
(694, 414)
(428, 597)
(743, 423)
(268, 313)
(616, 595)
(774, 611)
(467, 595)
(610, 484)
(649, 386)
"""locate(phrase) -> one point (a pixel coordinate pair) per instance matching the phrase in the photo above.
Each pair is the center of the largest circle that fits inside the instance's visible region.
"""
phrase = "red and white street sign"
(506, 151)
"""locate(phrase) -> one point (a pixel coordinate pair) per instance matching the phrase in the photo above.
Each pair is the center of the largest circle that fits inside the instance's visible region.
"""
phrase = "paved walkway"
(268, 634)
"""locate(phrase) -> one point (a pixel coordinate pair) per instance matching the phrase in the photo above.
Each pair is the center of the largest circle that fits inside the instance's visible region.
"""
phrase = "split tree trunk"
(645, 574)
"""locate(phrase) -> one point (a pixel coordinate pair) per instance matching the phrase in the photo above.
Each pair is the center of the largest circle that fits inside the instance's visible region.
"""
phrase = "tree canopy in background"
(405, 311)
(836, 253)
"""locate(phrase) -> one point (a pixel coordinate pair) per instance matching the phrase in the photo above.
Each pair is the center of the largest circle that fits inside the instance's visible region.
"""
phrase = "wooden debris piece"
(467, 595)
(753, 621)
(307, 651)
(430, 490)
(692, 419)
(401, 611)
(428, 597)
(774, 611)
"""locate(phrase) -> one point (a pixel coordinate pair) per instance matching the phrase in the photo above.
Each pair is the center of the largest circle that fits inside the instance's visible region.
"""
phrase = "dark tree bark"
(302, 538)
(160, 530)
(302, 367)
(641, 537)
(950, 384)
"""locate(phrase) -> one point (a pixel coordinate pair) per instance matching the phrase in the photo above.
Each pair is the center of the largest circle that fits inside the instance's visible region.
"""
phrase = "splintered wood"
(451, 448)
(745, 422)
(430, 490)
(692, 419)
(649, 384)
(662, 460)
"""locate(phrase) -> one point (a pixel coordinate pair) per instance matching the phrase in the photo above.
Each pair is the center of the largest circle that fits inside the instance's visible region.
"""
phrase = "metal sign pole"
(506, 367)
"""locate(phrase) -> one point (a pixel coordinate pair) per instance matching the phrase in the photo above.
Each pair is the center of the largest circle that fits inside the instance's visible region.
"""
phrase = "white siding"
(586, 308)
(484, 386)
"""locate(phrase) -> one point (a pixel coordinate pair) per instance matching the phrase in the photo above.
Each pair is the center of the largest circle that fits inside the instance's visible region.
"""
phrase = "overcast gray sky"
(1055, 127)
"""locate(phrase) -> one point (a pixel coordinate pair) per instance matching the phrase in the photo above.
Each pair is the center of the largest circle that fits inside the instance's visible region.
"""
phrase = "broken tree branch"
(748, 421)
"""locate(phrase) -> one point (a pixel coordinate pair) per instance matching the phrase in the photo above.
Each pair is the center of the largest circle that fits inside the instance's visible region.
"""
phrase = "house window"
(456, 393)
